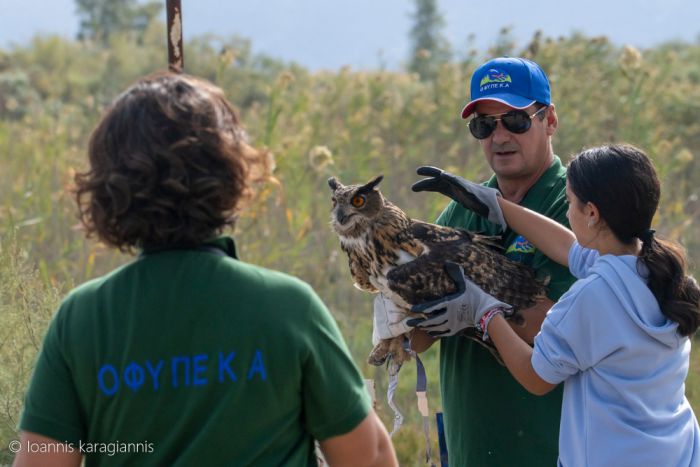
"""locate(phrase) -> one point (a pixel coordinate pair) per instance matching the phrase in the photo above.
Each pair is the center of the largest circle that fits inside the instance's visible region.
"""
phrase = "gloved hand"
(455, 312)
(389, 319)
(478, 198)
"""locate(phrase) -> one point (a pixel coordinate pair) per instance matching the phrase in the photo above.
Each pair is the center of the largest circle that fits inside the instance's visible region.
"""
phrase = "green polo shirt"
(192, 357)
(490, 419)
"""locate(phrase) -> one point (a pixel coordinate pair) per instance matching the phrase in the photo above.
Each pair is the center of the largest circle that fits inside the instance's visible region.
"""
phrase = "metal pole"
(176, 59)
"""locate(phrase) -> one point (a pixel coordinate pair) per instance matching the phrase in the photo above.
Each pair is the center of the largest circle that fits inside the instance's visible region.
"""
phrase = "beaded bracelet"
(486, 319)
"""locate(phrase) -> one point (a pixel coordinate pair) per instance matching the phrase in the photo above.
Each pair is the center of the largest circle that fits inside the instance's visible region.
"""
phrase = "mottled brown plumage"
(404, 258)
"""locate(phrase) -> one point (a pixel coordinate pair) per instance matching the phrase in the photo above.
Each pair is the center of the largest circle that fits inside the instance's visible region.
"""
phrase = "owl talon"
(375, 360)
(379, 353)
(397, 350)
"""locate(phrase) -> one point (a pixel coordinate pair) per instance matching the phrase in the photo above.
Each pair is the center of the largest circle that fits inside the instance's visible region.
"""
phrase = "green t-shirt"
(197, 359)
(490, 419)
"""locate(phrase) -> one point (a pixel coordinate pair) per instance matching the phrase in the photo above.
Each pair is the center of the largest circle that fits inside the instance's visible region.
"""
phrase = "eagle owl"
(404, 258)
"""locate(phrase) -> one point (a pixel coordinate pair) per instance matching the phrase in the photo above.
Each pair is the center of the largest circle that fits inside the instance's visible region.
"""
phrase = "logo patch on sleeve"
(521, 250)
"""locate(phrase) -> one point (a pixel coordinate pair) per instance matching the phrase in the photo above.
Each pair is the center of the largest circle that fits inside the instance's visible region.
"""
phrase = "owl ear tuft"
(333, 183)
(372, 183)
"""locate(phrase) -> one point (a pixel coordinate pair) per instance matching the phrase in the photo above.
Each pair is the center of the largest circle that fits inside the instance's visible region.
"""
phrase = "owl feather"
(404, 259)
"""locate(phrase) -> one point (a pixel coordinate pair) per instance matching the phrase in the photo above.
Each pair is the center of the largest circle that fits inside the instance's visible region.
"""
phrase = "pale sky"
(364, 33)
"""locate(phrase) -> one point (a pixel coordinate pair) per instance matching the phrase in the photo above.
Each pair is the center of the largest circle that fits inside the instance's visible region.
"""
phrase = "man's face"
(518, 156)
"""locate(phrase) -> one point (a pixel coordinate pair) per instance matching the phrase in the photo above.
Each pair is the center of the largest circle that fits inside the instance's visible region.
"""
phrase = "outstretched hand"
(478, 198)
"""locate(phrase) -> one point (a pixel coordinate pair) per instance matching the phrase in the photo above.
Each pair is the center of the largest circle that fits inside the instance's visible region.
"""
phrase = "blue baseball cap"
(516, 82)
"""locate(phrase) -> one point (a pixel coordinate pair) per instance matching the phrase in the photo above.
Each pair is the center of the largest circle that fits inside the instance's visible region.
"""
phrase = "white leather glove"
(455, 312)
(389, 319)
(478, 198)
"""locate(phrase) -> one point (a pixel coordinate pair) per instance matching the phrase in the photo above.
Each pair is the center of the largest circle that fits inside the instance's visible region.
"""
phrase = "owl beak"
(341, 217)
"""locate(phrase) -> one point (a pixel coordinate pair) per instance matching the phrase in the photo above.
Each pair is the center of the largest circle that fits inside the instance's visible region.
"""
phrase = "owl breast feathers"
(404, 258)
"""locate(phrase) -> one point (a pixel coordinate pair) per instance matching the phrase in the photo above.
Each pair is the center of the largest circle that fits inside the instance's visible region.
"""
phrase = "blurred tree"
(100, 19)
(16, 94)
(429, 48)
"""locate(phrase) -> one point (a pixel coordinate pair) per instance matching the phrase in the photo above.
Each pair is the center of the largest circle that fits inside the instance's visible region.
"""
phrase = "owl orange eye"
(358, 201)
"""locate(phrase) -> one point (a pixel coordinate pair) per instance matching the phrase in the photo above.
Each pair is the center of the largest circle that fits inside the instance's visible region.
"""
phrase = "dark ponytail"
(677, 293)
(621, 181)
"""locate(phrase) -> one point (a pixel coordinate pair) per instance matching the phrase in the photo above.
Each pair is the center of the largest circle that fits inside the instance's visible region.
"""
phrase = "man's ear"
(551, 119)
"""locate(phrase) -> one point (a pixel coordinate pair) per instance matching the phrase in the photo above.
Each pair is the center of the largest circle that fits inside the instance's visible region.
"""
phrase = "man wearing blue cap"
(490, 419)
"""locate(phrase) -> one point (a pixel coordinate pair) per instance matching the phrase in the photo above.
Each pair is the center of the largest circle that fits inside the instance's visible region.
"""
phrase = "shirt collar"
(546, 182)
(223, 244)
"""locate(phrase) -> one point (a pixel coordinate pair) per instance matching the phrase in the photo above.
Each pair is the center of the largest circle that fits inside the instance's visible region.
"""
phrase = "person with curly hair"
(187, 355)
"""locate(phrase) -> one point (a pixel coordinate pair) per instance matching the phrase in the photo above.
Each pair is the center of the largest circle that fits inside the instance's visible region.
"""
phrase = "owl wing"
(425, 279)
(432, 233)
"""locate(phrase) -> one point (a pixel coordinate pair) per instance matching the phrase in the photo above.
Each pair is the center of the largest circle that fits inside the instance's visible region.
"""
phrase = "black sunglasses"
(515, 121)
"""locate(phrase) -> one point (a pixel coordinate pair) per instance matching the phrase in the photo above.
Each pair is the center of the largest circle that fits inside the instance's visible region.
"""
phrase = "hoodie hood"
(629, 286)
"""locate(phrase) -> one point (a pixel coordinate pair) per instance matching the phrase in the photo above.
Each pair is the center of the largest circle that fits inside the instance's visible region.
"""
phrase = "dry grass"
(369, 123)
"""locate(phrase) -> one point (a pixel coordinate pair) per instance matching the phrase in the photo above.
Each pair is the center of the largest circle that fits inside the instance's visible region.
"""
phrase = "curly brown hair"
(169, 165)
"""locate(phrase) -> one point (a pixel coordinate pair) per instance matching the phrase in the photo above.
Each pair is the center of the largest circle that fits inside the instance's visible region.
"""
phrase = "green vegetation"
(351, 124)
(100, 19)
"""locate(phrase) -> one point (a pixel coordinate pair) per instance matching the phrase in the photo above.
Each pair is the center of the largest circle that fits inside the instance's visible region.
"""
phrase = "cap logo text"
(495, 79)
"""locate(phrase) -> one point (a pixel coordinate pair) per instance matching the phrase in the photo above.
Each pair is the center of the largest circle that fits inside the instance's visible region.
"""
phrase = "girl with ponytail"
(619, 339)
(621, 182)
